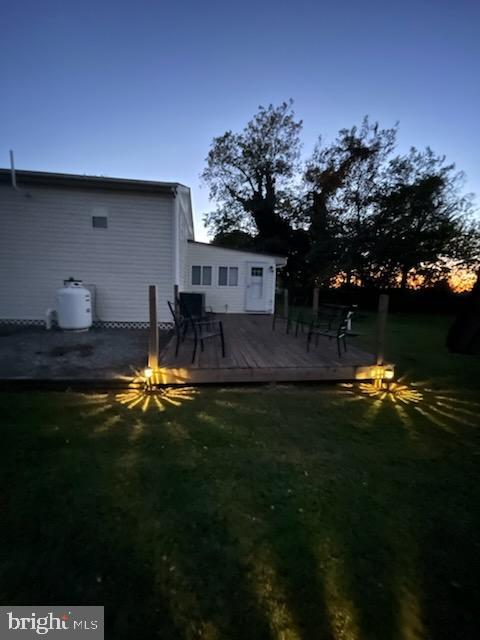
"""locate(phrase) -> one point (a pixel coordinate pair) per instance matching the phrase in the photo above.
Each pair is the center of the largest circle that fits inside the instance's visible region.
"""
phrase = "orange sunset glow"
(460, 280)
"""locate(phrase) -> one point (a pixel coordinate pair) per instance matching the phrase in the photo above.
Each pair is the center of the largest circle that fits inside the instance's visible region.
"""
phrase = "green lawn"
(289, 512)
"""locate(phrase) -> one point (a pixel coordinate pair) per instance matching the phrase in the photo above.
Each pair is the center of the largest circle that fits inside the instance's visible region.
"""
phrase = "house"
(118, 236)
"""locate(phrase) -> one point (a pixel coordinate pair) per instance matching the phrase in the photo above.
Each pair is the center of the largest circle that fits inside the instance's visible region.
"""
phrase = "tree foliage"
(420, 221)
(353, 208)
(250, 175)
(342, 182)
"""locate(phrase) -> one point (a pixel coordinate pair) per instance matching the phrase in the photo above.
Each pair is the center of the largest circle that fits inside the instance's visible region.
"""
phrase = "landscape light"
(388, 374)
(148, 372)
(379, 372)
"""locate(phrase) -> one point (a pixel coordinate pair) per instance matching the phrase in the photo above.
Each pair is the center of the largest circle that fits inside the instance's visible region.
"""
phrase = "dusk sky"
(139, 89)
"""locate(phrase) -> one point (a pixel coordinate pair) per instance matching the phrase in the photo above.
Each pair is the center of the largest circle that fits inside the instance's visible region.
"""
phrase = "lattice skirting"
(165, 326)
(130, 325)
(23, 323)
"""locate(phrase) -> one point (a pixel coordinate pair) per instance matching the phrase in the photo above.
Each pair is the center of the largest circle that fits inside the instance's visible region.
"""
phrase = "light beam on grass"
(339, 603)
(99, 409)
(155, 399)
(148, 377)
(107, 424)
(392, 391)
(144, 392)
(410, 615)
(440, 407)
(267, 586)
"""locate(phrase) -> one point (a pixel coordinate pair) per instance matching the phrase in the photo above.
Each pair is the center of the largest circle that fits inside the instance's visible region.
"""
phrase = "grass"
(284, 512)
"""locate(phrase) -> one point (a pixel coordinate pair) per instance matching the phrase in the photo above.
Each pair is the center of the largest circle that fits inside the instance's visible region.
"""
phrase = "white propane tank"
(74, 307)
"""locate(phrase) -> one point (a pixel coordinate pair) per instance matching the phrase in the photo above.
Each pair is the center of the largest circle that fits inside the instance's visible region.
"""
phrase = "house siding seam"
(47, 236)
(227, 299)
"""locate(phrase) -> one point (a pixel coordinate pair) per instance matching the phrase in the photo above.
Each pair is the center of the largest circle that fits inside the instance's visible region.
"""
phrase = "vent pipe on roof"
(12, 169)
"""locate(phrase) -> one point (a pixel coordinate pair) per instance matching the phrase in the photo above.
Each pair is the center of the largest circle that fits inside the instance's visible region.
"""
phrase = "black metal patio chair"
(196, 330)
(191, 309)
(329, 313)
(331, 324)
(294, 318)
(289, 320)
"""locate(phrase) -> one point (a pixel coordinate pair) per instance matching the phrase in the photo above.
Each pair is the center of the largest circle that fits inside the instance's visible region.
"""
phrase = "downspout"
(12, 171)
(14, 177)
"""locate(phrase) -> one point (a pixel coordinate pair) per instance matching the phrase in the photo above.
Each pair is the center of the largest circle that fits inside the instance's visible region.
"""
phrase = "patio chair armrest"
(202, 323)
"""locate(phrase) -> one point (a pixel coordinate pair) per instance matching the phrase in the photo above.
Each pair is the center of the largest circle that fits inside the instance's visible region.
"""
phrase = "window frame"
(99, 222)
(207, 284)
(202, 273)
(230, 269)
(220, 270)
(199, 283)
(228, 282)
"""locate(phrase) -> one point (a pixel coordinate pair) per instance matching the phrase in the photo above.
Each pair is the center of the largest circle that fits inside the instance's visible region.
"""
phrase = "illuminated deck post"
(381, 326)
(153, 328)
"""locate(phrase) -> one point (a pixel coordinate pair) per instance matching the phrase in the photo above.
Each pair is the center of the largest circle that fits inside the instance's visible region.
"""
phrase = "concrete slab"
(33, 353)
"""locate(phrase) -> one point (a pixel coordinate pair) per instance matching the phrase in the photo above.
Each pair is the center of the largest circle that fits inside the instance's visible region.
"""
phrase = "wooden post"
(381, 326)
(153, 328)
(175, 298)
(285, 303)
(316, 293)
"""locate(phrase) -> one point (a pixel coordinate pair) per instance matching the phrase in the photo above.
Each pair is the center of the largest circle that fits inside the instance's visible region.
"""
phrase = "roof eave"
(259, 253)
(45, 178)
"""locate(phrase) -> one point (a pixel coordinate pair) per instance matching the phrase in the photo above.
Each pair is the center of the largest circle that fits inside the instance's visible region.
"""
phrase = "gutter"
(12, 172)
(35, 178)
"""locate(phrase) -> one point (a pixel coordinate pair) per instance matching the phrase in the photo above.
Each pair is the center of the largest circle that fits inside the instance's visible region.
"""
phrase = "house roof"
(95, 182)
(281, 259)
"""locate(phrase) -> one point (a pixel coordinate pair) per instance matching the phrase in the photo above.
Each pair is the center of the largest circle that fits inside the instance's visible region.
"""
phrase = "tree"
(354, 210)
(421, 221)
(342, 184)
(234, 239)
(251, 174)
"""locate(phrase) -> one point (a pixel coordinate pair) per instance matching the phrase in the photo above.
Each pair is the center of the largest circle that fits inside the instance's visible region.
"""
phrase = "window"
(227, 276)
(222, 276)
(196, 275)
(207, 275)
(100, 222)
(201, 275)
(257, 271)
(233, 276)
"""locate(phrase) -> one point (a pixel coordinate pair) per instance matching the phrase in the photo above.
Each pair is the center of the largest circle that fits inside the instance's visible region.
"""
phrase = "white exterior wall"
(226, 299)
(49, 237)
(184, 217)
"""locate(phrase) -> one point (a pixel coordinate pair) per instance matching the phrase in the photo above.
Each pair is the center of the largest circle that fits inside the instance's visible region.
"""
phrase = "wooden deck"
(256, 353)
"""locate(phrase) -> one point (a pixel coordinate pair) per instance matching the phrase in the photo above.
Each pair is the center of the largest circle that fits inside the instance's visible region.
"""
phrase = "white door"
(256, 293)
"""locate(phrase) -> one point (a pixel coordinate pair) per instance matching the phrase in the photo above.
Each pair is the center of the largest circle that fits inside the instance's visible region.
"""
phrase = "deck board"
(254, 352)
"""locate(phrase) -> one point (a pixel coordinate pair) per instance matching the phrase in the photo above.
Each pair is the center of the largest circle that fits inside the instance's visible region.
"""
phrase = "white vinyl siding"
(183, 208)
(48, 237)
(229, 298)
